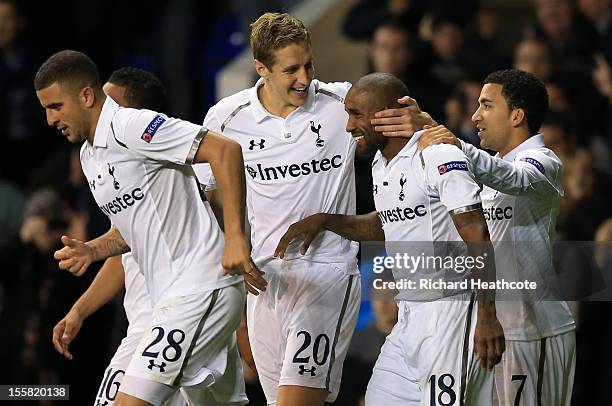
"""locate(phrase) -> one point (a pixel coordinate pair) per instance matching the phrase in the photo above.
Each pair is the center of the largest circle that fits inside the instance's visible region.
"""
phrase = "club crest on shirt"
(319, 142)
(111, 172)
(452, 166)
(535, 163)
(152, 128)
(402, 182)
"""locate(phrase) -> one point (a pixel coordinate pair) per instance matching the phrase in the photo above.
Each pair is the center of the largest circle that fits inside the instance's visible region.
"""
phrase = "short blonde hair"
(272, 31)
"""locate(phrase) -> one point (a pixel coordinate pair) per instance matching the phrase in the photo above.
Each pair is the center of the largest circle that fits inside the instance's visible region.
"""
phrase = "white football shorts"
(300, 328)
(537, 372)
(428, 358)
(190, 343)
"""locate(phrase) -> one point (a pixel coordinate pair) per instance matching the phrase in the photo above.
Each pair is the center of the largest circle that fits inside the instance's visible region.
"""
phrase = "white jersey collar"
(260, 112)
(104, 122)
(533, 142)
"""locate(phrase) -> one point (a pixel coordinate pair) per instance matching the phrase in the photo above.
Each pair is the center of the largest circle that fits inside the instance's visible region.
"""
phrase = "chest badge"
(111, 172)
(402, 182)
(319, 142)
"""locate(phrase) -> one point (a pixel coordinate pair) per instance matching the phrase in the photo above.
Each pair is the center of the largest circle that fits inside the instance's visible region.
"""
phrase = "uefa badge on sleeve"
(152, 128)
(452, 166)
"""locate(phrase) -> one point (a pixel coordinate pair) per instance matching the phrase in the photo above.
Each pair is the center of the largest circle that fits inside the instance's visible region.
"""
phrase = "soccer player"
(299, 161)
(138, 166)
(426, 197)
(136, 88)
(521, 199)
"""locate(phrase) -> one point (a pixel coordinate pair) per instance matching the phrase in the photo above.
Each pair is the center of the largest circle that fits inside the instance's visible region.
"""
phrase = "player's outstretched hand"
(75, 257)
(237, 261)
(403, 121)
(307, 229)
(437, 135)
(65, 331)
(489, 341)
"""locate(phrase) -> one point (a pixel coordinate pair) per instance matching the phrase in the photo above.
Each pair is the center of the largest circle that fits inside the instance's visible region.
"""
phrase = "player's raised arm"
(365, 227)
(535, 173)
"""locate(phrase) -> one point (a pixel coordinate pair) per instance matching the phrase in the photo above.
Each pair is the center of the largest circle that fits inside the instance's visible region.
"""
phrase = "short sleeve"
(448, 174)
(212, 122)
(160, 137)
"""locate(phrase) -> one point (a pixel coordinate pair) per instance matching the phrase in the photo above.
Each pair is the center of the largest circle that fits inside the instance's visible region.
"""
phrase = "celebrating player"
(522, 195)
(137, 88)
(299, 161)
(137, 163)
(431, 197)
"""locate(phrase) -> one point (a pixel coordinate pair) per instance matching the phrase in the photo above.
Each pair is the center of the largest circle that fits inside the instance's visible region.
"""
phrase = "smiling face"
(288, 78)
(493, 118)
(66, 109)
(361, 107)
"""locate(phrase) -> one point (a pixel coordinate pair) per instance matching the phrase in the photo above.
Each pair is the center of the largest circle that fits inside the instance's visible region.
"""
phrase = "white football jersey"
(136, 301)
(139, 173)
(521, 200)
(414, 194)
(295, 167)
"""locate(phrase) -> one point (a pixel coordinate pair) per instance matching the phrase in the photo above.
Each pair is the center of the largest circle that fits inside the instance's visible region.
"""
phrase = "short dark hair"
(386, 87)
(523, 90)
(72, 67)
(143, 90)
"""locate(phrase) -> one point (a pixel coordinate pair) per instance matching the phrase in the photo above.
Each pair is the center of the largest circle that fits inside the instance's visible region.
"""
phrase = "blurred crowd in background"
(441, 49)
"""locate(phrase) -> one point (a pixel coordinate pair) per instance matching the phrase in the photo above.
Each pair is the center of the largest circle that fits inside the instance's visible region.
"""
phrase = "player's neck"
(96, 112)
(393, 147)
(272, 103)
(515, 139)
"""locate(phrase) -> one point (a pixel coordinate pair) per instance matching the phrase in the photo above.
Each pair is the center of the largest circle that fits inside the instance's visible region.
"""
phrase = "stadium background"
(442, 49)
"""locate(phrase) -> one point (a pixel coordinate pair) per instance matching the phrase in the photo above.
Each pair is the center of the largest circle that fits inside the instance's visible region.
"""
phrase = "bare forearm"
(228, 167)
(108, 245)
(472, 228)
(364, 227)
(227, 164)
(109, 281)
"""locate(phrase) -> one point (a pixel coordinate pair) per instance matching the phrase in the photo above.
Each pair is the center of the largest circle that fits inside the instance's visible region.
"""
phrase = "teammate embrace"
(289, 143)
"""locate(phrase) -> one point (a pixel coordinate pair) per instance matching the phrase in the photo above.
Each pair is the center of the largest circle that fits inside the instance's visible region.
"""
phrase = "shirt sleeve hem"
(196, 145)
